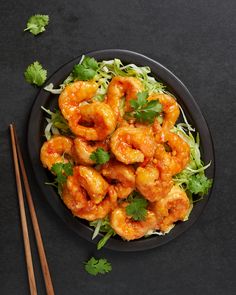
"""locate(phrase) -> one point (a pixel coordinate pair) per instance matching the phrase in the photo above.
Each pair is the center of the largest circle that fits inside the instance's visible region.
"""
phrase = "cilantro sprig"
(137, 207)
(35, 74)
(86, 70)
(36, 24)
(62, 171)
(199, 184)
(97, 266)
(144, 110)
(100, 156)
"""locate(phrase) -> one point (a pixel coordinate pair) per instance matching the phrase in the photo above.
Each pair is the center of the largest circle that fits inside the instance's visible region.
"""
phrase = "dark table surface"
(194, 39)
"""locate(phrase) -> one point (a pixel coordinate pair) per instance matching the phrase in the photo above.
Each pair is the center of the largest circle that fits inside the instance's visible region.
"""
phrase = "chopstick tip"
(12, 125)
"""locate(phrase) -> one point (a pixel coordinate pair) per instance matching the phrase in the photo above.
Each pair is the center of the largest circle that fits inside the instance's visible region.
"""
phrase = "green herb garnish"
(100, 156)
(199, 184)
(35, 74)
(36, 24)
(86, 70)
(144, 110)
(137, 207)
(62, 171)
(97, 266)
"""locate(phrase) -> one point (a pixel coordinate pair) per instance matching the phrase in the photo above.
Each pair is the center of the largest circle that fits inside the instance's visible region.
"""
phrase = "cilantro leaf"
(137, 207)
(35, 74)
(90, 62)
(144, 110)
(100, 156)
(142, 98)
(199, 184)
(62, 171)
(86, 70)
(97, 266)
(36, 24)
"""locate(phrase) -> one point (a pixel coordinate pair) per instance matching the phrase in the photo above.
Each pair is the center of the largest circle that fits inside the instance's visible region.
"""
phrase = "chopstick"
(42, 255)
(28, 255)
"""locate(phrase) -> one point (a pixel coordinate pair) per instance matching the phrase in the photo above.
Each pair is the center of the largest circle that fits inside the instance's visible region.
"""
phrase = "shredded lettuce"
(111, 68)
(192, 179)
(50, 87)
(103, 226)
(56, 124)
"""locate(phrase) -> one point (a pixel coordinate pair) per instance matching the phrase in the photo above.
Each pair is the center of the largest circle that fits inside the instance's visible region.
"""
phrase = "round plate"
(36, 138)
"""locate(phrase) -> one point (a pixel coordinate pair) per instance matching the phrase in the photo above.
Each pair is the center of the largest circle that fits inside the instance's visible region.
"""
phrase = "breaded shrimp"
(123, 175)
(87, 194)
(73, 94)
(153, 183)
(83, 207)
(90, 180)
(119, 87)
(83, 150)
(180, 152)
(131, 145)
(173, 207)
(55, 150)
(93, 121)
(128, 228)
(171, 113)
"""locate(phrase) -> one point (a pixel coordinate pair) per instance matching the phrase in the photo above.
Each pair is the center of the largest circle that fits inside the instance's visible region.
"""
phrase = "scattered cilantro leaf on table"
(144, 110)
(86, 70)
(100, 156)
(97, 266)
(137, 207)
(35, 74)
(36, 24)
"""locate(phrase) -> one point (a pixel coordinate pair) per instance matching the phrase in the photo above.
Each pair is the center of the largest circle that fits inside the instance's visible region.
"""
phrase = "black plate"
(36, 138)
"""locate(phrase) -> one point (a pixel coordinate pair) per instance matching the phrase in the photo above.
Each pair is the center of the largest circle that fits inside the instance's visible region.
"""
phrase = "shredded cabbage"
(110, 68)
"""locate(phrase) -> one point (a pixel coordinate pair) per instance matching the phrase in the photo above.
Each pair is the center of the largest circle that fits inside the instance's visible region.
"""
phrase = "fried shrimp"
(73, 94)
(93, 121)
(153, 183)
(122, 175)
(131, 145)
(175, 206)
(87, 194)
(83, 150)
(90, 180)
(170, 110)
(180, 152)
(155, 180)
(81, 207)
(128, 228)
(56, 150)
(120, 87)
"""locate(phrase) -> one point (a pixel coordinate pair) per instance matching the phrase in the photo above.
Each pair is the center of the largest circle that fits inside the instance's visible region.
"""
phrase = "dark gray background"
(194, 39)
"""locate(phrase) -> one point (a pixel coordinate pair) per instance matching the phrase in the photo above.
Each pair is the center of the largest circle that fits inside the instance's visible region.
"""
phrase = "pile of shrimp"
(144, 158)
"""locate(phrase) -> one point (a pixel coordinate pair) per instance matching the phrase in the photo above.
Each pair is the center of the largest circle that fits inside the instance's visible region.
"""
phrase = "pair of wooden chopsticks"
(17, 156)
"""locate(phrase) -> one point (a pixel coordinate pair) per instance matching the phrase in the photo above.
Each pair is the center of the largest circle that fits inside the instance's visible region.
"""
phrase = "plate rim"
(84, 230)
